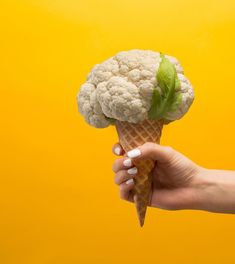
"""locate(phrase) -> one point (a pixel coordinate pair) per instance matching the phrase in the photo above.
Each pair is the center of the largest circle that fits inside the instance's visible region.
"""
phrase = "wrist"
(214, 191)
(204, 188)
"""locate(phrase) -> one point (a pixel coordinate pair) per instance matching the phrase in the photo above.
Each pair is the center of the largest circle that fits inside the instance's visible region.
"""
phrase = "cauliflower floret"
(121, 88)
(117, 92)
(90, 108)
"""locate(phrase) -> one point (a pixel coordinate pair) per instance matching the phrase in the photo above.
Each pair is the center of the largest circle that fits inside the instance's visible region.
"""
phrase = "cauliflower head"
(124, 87)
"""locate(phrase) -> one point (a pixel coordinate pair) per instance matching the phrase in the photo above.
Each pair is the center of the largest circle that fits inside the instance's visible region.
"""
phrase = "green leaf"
(176, 102)
(169, 99)
(156, 100)
(177, 83)
(166, 75)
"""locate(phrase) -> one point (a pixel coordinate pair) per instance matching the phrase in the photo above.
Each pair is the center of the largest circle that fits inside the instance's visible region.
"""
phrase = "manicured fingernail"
(132, 170)
(127, 162)
(117, 150)
(133, 153)
(129, 181)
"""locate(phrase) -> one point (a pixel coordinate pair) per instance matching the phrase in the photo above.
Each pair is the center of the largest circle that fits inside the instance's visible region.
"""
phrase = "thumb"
(151, 151)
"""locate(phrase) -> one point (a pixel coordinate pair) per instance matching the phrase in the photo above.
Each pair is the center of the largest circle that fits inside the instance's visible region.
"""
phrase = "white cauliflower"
(121, 88)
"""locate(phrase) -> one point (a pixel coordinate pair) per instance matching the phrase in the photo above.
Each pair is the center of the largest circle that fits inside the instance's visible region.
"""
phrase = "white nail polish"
(133, 153)
(117, 150)
(129, 181)
(132, 170)
(127, 163)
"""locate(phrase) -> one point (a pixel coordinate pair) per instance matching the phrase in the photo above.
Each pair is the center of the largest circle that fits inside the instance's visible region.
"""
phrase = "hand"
(175, 177)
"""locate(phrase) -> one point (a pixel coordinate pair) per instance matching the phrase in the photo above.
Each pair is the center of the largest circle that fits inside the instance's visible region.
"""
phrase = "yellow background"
(58, 202)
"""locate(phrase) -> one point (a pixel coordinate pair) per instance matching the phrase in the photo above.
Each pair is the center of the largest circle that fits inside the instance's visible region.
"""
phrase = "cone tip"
(141, 221)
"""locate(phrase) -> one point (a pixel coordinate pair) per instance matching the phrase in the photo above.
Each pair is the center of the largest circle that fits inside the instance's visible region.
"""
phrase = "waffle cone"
(131, 136)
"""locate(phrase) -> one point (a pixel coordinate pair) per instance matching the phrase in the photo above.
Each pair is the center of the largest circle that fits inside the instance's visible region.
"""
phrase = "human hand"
(175, 178)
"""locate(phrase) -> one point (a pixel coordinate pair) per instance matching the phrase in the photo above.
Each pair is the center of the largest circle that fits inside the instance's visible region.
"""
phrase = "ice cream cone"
(131, 136)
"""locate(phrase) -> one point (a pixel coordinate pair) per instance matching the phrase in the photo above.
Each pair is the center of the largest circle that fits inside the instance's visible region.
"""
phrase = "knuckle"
(119, 176)
(149, 145)
(151, 148)
(116, 179)
(168, 150)
(116, 165)
(122, 193)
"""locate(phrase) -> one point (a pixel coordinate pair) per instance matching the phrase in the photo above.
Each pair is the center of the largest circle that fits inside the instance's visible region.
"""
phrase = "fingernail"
(129, 181)
(117, 150)
(132, 170)
(133, 153)
(127, 162)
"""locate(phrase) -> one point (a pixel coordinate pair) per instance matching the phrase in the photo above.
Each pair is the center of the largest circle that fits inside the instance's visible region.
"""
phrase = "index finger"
(151, 151)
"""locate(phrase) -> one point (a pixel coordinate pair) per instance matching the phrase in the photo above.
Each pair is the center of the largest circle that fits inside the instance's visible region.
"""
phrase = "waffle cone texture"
(131, 136)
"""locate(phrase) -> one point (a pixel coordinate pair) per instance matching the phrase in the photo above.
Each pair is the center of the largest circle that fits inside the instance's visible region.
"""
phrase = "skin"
(178, 183)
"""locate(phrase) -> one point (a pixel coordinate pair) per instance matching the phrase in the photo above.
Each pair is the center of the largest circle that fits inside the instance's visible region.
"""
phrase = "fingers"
(124, 178)
(151, 151)
(122, 163)
(124, 175)
(118, 150)
(123, 167)
(126, 190)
